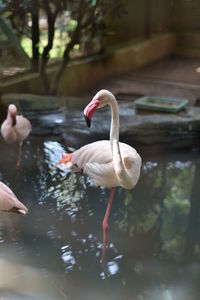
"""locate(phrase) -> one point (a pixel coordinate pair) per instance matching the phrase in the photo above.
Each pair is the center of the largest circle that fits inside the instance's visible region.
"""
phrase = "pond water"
(54, 252)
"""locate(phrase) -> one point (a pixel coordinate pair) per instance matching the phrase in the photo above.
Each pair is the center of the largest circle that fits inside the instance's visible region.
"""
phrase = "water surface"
(54, 252)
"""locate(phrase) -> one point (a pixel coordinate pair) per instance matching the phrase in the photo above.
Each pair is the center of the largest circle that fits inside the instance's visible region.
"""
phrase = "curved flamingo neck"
(114, 127)
(120, 170)
(9, 117)
(114, 136)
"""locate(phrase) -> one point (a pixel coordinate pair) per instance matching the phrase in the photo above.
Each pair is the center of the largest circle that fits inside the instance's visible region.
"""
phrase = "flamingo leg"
(19, 155)
(105, 222)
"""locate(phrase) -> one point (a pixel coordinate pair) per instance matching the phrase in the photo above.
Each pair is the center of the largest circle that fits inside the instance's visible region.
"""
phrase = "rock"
(38, 103)
(30, 102)
(63, 117)
(149, 128)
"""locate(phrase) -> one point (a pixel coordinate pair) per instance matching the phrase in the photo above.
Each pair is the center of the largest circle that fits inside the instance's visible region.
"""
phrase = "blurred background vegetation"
(49, 31)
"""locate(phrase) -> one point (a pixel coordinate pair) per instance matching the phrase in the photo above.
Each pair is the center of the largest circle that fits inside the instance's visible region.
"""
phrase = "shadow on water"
(153, 240)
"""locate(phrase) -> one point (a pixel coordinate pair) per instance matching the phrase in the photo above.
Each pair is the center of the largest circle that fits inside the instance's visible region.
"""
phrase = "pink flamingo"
(15, 129)
(9, 202)
(107, 163)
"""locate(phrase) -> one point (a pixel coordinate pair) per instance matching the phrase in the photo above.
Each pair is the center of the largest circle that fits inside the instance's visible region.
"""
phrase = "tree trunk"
(51, 18)
(35, 36)
(66, 58)
(147, 18)
(45, 54)
(44, 76)
(55, 83)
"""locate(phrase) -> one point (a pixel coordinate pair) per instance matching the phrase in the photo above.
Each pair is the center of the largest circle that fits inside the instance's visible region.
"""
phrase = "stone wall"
(149, 17)
(142, 18)
(186, 15)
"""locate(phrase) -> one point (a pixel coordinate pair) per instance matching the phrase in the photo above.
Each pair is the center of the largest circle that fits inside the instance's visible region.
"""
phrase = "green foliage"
(174, 247)
(68, 14)
(149, 222)
(69, 28)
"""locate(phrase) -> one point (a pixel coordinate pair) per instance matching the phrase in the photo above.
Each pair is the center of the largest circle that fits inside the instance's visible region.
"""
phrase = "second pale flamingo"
(15, 128)
(9, 202)
(109, 163)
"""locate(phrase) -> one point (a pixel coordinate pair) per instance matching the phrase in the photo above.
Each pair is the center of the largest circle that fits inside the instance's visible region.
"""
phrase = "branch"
(69, 47)
(51, 18)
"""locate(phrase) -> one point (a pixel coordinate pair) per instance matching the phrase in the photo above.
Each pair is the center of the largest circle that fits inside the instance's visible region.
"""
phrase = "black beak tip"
(88, 121)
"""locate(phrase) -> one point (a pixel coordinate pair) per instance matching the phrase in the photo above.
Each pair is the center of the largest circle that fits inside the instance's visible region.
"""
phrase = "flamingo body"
(15, 128)
(96, 161)
(9, 201)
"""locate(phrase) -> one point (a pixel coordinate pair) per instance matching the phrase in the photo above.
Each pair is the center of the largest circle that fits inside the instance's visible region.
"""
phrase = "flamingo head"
(12, 110)
(99, 100)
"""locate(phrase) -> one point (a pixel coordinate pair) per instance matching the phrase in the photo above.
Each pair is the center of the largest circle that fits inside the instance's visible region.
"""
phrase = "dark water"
(54, 252)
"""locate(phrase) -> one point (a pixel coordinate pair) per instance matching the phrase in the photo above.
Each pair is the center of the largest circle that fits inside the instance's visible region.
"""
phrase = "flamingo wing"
(96, 160)
(8, 133)
(23, 127)
(102, 174)
(97, 152)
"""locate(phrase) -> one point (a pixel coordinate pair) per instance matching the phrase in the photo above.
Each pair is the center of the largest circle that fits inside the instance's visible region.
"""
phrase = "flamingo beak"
(90, 110)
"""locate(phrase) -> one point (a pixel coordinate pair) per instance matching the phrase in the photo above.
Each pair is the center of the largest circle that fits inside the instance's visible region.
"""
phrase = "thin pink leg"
(105, 222)
(19, 156)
